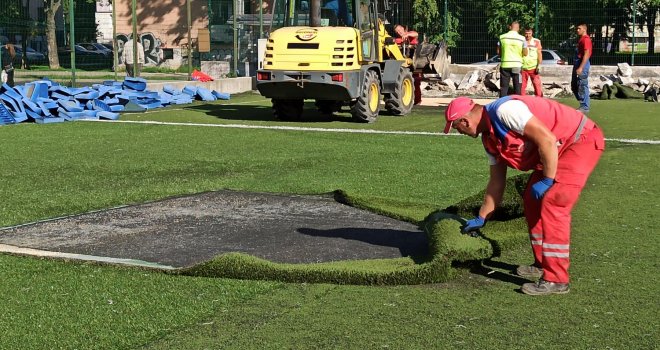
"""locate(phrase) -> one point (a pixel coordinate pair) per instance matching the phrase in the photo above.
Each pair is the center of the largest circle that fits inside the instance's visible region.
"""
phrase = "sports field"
(61, 169)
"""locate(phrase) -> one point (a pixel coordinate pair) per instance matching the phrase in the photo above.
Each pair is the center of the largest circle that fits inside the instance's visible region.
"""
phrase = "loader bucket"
(432, 58)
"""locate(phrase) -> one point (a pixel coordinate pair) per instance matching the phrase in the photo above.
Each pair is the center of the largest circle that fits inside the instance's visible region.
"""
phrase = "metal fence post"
(235, 24)
(115, 59)
(72, 42)
(135, 39)
(190, 51)
(444, 35)
(634, 26)
(536, 19)
(261, 20)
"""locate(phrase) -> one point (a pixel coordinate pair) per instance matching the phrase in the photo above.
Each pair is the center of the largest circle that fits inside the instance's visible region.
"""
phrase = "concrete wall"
(161, 25)
(229, 85)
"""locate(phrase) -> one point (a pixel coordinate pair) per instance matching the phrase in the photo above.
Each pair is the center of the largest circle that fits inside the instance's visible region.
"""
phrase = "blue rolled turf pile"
(44, 101)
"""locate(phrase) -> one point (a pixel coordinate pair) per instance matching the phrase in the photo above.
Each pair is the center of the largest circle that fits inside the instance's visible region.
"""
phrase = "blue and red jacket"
(519, 152)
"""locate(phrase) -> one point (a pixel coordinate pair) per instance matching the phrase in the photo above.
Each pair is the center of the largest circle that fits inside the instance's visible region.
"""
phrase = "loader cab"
(295, 13)
(358, 14)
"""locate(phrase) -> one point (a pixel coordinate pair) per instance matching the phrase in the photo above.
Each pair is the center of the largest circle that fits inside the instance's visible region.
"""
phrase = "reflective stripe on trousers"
(549, 219)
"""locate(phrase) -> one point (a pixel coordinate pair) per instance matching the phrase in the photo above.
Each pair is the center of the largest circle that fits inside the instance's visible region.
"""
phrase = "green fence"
(615, 26)
(621, 30)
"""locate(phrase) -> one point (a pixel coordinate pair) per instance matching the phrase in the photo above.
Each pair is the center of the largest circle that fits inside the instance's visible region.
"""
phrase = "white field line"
(273, 127)
(348, 131)
(5, 248)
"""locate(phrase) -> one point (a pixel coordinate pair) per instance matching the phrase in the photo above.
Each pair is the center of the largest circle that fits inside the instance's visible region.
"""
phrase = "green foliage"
(426, 17)
(429, 19)
(502, 12)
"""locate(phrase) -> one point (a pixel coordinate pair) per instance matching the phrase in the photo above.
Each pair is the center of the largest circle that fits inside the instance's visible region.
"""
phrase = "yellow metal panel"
(313, 48)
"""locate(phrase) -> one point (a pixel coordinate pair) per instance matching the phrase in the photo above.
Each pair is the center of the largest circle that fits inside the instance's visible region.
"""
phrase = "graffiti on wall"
(153, 50)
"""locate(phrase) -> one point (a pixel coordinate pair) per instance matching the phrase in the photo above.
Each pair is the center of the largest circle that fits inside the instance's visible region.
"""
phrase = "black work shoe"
(529, 271)
(543, 287)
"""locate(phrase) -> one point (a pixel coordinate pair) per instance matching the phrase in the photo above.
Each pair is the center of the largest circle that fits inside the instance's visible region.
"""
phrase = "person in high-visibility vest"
(511, 48)
(531, 68)
(560, 145)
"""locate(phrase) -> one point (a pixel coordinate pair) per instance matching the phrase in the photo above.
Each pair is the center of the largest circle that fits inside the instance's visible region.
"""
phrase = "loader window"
(342, 11)
(366, 23)
(294, 13)
(288, 13)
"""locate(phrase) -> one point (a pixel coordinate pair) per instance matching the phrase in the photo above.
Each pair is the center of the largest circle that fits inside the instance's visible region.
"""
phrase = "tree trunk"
(51, 9)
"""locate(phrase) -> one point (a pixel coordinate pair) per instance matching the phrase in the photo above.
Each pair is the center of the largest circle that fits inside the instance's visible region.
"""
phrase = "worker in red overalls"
(561, 145)
(411, 39)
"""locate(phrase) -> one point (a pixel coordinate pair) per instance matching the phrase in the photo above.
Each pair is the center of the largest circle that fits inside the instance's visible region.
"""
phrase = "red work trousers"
(417, 78)
(536, 82)
(549, 219)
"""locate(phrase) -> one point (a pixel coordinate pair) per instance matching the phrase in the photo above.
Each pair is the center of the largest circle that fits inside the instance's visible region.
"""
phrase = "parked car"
(97, 47)
(33, 56)
(550, 58)
(84, 58)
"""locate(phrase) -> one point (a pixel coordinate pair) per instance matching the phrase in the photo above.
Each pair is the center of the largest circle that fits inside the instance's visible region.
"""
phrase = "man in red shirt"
(561, 145)
(410, 39)
(581, 66)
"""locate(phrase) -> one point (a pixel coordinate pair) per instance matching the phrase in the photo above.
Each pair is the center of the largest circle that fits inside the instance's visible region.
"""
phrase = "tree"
(649, 14)
(51, 7)
(429, 19)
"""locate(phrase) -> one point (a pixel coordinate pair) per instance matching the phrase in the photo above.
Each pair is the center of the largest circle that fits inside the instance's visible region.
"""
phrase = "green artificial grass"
(55, 305)
(612, 304)
(619, 118)
(53, 170)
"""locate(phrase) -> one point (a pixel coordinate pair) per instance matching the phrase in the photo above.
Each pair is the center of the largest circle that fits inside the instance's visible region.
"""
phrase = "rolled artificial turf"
(447, 245)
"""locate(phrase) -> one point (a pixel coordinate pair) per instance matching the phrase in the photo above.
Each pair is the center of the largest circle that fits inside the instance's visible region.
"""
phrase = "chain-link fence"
(225, 32)
(621, 31)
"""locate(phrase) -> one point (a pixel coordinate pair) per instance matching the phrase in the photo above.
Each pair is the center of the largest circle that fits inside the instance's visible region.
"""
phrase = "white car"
(550, 58)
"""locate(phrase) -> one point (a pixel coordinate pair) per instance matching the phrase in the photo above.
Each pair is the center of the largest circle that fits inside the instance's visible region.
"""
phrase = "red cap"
(459, 107)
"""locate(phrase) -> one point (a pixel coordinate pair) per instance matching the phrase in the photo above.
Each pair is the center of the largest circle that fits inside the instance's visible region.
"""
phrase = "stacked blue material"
(44, 101)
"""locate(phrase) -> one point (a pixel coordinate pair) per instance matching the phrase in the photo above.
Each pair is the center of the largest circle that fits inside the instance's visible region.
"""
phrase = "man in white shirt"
(133, 63)
(560, 145)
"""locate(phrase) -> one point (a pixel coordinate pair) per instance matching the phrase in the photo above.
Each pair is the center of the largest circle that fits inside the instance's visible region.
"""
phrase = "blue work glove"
(541, 187)
(473, 224)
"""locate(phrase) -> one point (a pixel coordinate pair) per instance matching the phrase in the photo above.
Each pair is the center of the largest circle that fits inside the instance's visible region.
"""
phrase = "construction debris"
(486, 82)
(624, 70)
(469, 80)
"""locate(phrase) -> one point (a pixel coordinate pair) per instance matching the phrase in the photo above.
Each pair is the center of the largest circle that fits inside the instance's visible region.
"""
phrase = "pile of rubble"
(486, 82)
(647, 88)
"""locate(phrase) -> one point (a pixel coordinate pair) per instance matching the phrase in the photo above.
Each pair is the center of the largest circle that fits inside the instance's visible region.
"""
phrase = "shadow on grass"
(409, 244)
(488, 267)
(265, 113)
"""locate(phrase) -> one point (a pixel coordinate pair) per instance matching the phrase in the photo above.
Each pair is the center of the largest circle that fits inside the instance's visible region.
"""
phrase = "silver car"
(550, 58)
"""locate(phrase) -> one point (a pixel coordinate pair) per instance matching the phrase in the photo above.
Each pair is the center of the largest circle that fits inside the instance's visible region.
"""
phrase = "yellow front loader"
(339, 54)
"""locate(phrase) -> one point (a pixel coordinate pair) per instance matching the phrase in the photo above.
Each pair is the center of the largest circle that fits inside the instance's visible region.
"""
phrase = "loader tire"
(400, 102)
(289, 110)
(366, 107)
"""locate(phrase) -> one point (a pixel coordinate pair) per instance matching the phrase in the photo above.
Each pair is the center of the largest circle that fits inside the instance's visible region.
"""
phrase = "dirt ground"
(183, 231)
